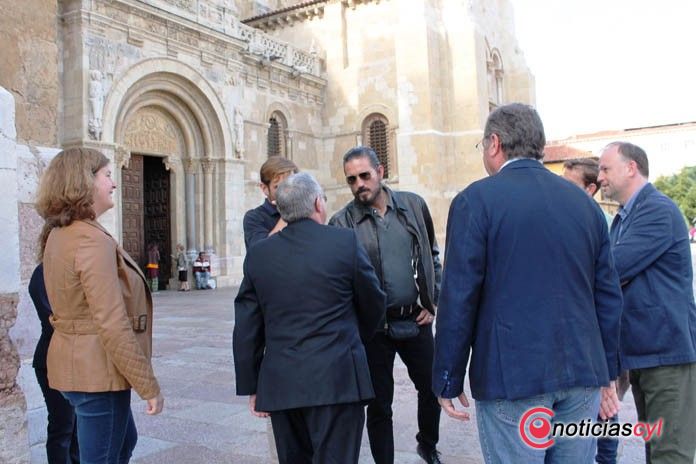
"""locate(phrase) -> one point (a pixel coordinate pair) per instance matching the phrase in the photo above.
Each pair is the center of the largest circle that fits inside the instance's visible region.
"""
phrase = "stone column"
(208, 165)
(190, 169)
(14, 442)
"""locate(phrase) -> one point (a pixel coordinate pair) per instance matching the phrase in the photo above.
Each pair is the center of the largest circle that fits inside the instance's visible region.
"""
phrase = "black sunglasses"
(363, 175)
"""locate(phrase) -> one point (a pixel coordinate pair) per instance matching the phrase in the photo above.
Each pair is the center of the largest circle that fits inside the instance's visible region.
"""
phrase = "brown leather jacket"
(102, 314)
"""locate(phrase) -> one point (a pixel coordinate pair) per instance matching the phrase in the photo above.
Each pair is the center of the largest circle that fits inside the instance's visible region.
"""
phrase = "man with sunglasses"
(397, 232)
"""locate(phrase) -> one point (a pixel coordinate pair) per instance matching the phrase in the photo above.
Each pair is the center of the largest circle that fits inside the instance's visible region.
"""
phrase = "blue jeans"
(105, 428)
(202, 280)
(498, 424)
(607, 448)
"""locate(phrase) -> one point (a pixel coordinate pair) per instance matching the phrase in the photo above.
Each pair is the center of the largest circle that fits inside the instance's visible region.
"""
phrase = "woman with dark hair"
(61, 433)
(102, 308)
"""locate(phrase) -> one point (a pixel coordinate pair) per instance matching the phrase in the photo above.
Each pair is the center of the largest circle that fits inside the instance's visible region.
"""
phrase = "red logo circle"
(535, 427)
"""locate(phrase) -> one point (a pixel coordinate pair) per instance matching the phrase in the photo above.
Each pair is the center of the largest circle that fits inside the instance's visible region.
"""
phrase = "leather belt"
(403, 312)
(86, 326)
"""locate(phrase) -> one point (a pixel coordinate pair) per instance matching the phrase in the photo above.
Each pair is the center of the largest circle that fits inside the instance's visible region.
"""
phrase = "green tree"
(682, 189)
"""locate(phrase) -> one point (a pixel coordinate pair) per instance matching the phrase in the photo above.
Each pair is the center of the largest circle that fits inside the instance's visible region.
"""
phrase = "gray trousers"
(668, 393)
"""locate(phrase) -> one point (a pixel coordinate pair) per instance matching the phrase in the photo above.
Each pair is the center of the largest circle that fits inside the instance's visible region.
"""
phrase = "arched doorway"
(173, 158)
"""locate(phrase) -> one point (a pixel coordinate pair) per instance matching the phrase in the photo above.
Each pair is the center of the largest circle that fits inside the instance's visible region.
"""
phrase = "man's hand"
(155, 405)
(448, 407)
(424, 317)
(280, 225)
(610, 404)
(252, 408)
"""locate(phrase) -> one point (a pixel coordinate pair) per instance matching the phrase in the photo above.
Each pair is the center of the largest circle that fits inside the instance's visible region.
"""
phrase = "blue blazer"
(529, 289)
(309, 293)
(653, 259)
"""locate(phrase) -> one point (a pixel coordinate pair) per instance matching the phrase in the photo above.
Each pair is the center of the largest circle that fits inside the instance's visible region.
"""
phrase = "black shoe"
(431, 456)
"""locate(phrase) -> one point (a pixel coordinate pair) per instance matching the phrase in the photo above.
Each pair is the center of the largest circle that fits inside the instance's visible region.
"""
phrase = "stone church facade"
(189, 97)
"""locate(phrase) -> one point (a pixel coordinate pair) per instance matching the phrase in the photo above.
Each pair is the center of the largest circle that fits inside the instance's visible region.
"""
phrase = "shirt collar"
(364, 210)
(625, 210)
(513, 160)
(270, 208)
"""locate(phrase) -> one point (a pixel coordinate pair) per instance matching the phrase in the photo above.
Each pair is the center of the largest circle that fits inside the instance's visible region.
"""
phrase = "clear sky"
(609, 64)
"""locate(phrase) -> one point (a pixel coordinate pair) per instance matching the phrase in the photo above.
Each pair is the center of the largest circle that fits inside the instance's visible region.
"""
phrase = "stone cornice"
(290, 15)
(222, 43)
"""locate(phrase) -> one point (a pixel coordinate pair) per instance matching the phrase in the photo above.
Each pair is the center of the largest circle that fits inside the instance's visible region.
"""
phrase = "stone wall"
(425, 68)
(13, 429)
(29, 66)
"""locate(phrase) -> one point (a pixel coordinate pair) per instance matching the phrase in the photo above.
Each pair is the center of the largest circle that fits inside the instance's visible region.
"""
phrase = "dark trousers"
(668, 393)
(105, 426)
(607, 448)
(417, 355)
(319, 435)
(61, 433)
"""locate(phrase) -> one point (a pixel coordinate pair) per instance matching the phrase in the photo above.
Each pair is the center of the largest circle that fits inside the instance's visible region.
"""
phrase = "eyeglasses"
(363, 176)
(480, 145)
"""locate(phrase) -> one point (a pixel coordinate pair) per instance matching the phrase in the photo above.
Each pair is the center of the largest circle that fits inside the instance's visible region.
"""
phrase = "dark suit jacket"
(529, 287)
(309, 293)
(37, 292)
(653, 259)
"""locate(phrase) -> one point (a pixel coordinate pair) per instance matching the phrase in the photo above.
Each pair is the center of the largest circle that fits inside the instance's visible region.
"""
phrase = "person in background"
(658, 325)
(201, 271)
(265, 220)
(153, 258)
(102, 308)
(61, 433)
(182, 268)
(583, 172)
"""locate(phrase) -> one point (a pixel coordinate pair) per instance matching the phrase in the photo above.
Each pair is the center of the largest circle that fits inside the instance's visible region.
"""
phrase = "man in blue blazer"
(530, 290)
(651, 249)
(308, 296)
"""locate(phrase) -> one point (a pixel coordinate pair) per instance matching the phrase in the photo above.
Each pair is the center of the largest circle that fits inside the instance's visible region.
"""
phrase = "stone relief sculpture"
(96, 104)
(239, 133)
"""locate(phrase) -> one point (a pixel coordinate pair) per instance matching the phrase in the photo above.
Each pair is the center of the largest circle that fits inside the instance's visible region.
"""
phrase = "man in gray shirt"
(397, 232)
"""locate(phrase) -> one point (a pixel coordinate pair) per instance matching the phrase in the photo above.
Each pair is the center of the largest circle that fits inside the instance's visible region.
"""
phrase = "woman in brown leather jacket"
(102, 308)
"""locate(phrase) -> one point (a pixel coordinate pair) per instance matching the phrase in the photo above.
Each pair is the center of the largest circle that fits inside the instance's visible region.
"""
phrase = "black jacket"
(309, 293)
(413, 213)
(37, 292)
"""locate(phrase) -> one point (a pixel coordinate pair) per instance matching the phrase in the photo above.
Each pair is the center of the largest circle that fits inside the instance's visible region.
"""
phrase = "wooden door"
(157, 223)
(133, 211)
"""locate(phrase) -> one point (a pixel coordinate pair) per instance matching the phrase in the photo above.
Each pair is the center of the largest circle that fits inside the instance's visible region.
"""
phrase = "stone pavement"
(204, 422)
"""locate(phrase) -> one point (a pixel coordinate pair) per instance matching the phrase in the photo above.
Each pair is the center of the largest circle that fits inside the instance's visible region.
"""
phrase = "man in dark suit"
(530, 290)
(651, 248)
(308, 296)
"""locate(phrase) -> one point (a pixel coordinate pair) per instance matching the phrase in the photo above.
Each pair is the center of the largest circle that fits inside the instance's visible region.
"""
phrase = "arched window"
(277, 131)
(494, 67)
(376, 136)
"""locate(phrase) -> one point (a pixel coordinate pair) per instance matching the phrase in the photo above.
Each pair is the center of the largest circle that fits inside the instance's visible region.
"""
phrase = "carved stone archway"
(164, 108)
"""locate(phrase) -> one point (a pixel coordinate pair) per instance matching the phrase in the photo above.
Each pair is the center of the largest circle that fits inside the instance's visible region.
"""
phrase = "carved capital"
(170, 162)
(190, 165)
(122, 156)
(207, 164)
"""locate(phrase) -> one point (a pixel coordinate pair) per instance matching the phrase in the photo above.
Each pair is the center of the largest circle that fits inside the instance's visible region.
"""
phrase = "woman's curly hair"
(66, 190)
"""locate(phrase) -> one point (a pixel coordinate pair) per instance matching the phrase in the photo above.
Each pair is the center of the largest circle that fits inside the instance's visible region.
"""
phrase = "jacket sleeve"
(647, 237)
(96, 263)
(248, 337)
(465, 267)
(434, 250)
(608, 299)
(369, 300)
(254, 229)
